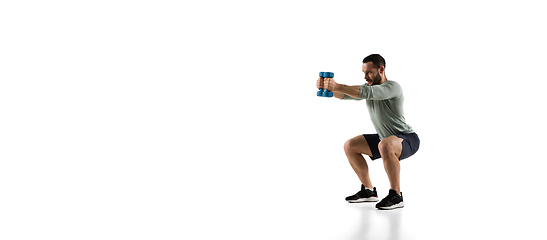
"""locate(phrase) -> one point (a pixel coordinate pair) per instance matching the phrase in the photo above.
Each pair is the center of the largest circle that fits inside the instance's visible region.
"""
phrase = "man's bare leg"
(391, 149)
(354, 149)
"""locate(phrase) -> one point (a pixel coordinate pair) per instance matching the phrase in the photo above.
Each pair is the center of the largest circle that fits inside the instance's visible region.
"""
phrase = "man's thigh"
(373, 141)
(410, 144)
(359, 144)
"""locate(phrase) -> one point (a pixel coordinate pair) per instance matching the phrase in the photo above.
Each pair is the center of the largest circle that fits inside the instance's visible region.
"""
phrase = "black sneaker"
(392, 201)
(365, 195)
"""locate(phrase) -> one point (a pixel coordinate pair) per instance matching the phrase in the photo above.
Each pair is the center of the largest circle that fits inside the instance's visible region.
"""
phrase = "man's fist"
(320, 83)
(330, 84)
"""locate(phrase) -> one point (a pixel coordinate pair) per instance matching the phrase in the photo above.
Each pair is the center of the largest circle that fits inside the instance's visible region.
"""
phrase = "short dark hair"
(376, 60)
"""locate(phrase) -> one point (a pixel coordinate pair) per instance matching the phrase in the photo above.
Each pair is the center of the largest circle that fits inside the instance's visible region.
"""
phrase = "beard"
(376, 80)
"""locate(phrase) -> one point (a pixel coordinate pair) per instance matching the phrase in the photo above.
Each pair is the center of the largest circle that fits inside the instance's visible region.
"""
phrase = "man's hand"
(331, 85)
(320, 83)
(327, 83)
(338, 90)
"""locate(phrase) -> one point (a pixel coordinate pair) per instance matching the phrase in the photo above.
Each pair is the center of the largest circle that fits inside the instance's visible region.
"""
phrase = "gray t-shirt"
(385, 107)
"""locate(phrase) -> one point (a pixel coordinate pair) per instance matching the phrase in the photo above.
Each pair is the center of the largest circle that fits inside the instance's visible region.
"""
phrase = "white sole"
(370, 199)
(398, 205)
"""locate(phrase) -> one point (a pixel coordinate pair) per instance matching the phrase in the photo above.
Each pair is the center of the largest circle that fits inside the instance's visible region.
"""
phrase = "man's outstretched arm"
(340, 90)
(386, 90)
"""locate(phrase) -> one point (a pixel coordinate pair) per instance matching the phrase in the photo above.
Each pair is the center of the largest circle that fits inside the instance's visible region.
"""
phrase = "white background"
(199, 120)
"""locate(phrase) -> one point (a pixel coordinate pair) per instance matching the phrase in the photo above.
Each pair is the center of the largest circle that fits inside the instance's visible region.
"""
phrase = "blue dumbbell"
(324, 92)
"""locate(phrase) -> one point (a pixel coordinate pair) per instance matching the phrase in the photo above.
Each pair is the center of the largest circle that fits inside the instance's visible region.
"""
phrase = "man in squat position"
(395, 139)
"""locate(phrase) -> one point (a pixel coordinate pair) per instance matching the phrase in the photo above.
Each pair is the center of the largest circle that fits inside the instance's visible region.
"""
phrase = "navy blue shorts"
(411, 143)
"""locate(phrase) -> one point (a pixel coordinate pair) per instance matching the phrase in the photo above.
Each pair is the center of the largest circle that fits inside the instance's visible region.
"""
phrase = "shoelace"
(389, 198)
(366, 192)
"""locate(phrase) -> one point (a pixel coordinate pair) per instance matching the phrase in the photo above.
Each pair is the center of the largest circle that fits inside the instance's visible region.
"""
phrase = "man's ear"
(381, 70)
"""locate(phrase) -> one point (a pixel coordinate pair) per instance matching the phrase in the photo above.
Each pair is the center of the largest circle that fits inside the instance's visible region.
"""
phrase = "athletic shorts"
(411, 143)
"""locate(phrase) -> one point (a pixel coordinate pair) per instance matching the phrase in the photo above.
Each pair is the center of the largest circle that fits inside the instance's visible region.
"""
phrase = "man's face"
(371, 74)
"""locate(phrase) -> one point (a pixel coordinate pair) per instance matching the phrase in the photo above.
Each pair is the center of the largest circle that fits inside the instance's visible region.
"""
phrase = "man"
(395, 139)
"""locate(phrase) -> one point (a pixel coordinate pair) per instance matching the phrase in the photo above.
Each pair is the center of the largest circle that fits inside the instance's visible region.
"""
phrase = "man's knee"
(357, 144)
(390, 145)
(349, 146)
(353, 146)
